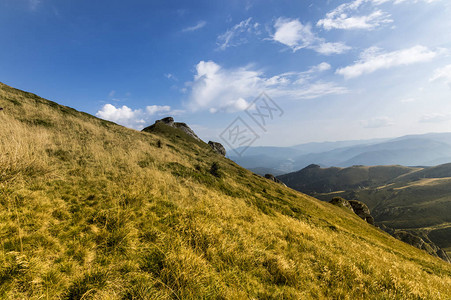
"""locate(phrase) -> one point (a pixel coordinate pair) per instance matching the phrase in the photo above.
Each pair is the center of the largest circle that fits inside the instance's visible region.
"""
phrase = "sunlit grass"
(89, 209)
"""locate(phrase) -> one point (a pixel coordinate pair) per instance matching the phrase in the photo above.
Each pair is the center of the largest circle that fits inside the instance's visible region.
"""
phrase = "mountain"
(412, 150)
(417, 199)
(314, 179)
(92, 210)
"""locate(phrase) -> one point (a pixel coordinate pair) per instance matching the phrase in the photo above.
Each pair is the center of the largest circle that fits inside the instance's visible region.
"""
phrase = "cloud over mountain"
(133, 118)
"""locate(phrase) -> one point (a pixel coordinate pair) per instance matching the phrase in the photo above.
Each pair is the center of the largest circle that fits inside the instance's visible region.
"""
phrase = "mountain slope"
(417, 199)
(90, 209)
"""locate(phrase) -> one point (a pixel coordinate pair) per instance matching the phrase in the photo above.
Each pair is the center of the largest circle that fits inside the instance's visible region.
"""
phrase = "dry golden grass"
(89, 209)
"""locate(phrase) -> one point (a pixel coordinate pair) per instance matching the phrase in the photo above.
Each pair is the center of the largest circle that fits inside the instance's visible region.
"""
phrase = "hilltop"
(90, 209)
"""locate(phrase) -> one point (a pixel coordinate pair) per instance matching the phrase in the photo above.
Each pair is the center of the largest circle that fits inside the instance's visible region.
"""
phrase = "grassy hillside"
(414, 198)
(423, 206)
(93, 210)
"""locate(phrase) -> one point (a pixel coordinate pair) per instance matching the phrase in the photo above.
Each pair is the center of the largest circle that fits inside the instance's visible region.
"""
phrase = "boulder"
(362, 211)
(338, 201)
(217, 147)
(168, 121)
(273, 178)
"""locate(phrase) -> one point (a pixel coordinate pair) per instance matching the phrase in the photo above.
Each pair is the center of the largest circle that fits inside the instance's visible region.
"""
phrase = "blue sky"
(338, 70)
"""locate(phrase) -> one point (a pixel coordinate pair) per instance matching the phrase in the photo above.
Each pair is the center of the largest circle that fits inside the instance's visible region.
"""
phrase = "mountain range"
(412, 150)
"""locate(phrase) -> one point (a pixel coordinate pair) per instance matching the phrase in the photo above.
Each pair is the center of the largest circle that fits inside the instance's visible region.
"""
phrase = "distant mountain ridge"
(410, 150)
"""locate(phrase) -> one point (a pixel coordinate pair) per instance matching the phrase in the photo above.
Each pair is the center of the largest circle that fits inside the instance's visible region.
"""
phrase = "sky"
(284, 72)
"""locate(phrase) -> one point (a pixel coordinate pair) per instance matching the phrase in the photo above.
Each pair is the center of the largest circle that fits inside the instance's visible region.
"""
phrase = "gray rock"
(362, 211)
(273, 178)
(338, 201)
(217, 147)
(169, 121)
(185, 128)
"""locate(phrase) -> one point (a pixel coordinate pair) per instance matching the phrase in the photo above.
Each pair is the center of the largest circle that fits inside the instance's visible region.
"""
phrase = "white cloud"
(360, 14)
(330, 48)
(344, 21)
(377, 122)
(321, 67)
(374, 59)
(170, 76)
(435, 118)
(33, 4)
(443, 74)
(154, 109)
(294, 34)
(237, 34)
(229, 90)
(133, 118)
(198, 26)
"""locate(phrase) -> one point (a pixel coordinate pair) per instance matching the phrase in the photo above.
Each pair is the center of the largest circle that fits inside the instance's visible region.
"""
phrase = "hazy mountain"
(413, 150)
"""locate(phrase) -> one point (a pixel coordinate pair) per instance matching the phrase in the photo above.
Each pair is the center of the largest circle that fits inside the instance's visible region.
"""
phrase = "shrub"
(214, 170)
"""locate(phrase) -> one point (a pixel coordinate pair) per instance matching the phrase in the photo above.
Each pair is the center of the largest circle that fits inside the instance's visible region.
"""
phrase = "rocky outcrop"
(362, 211)
(217, 147)
(418, 240)
(359, 208)
(273, 178)
(442, 254)
(169, 121)
(338, 201)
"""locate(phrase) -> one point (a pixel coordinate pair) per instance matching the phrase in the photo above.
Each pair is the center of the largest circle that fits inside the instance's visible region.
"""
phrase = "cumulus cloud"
(198, 26)
(132, 118)
(442, 74)
(217, 89)
(377, 122)
(238, 34)
(294, 34)
(373, 59)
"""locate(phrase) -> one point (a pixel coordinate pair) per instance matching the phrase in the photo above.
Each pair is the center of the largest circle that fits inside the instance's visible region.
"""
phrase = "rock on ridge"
(217, 147)
(362, 211)
(338, 201)
(273, 178)
(169, 121)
